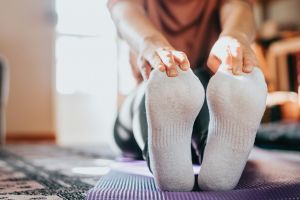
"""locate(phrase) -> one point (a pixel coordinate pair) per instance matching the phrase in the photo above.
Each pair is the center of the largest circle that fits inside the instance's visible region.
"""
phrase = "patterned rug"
(49, 172)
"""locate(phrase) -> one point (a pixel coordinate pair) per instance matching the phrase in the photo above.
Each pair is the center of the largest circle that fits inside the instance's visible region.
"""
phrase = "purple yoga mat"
(268, 175)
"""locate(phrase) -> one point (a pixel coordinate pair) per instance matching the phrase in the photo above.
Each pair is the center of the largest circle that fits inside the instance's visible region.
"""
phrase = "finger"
(213, 63)
(248, 66)
(144, 71)
(181, 59)
(250, 61)
(157, 63)
(141, 62)
(146, 67)
(236, 59)
(147, 70)
(227, 59)
(168, 60)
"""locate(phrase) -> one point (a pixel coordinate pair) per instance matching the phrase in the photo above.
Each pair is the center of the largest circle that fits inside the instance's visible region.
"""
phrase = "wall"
(285, 12)
(86, 76)
(27, 40)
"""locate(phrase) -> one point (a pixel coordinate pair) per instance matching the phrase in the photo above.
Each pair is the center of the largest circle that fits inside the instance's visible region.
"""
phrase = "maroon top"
(191, 26)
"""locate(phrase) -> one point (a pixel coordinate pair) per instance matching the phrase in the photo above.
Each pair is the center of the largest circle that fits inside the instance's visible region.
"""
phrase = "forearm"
(237, 20)
(135, 28)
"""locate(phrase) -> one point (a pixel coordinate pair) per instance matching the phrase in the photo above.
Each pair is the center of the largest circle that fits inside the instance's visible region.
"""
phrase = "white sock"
(236, 105)
(172, 105)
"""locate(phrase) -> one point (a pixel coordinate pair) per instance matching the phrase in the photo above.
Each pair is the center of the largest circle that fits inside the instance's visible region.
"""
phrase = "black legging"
(129, 146)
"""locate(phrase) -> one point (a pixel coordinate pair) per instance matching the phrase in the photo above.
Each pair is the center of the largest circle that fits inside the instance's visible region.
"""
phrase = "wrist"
(156, 40)
(240, 36)
(150, 44)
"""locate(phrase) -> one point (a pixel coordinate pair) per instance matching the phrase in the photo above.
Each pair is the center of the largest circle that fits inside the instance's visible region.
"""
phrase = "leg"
(236, 105)
(172, 105)
(200, 128)
(123, 128)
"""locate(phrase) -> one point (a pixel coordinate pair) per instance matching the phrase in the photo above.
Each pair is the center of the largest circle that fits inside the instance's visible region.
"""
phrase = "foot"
(172, 105)
(236, 105)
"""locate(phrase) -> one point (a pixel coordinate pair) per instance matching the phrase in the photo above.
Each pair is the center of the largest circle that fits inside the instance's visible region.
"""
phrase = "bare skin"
(154, 51)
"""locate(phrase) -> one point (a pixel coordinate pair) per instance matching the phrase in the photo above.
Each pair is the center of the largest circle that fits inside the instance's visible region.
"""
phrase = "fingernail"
(185, 66)
(173, 72)
(249, 68)
(237, 71)
(162, 68)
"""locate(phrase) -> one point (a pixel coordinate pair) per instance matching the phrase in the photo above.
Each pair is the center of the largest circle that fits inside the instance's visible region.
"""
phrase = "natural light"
(86, 72)
(84, 47)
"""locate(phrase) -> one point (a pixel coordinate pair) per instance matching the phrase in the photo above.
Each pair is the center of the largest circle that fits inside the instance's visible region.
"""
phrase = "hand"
(234, 52)
(166, 59)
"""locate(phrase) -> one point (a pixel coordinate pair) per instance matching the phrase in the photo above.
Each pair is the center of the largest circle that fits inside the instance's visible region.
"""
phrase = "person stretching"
(200, 95)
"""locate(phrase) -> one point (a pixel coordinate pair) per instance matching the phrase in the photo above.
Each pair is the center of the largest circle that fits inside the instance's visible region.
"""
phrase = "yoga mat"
(268, 175)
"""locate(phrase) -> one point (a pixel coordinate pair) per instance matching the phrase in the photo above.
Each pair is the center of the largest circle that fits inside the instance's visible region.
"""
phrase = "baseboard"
(30, 137)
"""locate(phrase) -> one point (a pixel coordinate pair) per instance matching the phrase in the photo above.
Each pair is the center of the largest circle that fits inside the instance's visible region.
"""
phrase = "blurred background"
(64, 69)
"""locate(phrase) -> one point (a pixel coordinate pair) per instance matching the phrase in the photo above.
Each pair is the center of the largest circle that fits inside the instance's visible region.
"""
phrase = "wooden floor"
(15, 138)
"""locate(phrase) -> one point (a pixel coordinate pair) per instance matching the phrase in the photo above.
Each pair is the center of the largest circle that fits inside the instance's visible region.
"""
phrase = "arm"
(145, 40)
(237, 20)
(234, 45)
